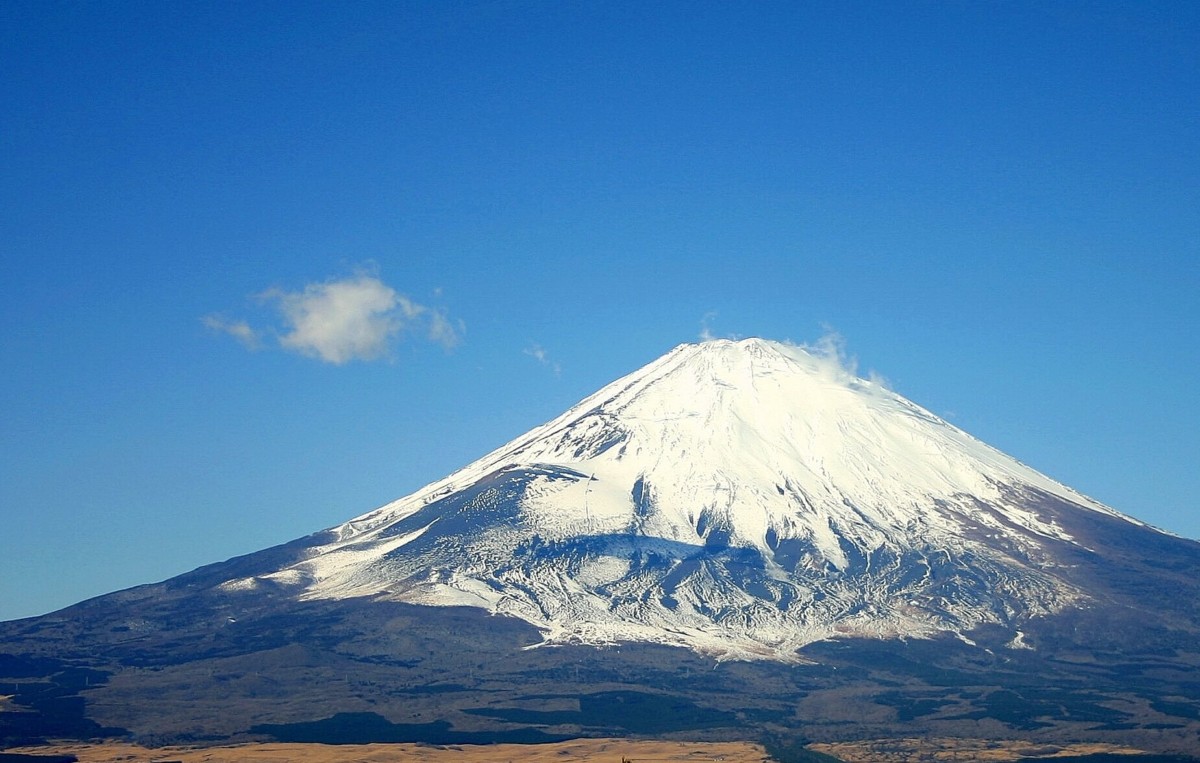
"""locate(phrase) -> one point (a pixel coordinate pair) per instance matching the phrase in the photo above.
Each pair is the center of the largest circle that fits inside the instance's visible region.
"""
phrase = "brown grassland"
(923, 750)
(614, 750)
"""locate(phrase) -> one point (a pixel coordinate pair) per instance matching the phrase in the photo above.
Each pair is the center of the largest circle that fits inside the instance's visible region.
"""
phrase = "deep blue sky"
(997, 205)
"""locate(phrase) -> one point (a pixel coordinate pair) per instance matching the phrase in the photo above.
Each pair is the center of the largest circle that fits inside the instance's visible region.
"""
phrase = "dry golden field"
(915, 750)
(601, 750)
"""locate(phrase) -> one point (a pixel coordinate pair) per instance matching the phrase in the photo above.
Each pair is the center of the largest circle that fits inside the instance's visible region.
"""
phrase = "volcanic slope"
(742, 499)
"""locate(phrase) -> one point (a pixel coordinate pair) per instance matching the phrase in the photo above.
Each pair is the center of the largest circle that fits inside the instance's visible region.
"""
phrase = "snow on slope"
(739, 498)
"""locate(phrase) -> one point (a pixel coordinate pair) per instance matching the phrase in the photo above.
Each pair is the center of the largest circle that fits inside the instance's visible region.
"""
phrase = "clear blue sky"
(267, 266)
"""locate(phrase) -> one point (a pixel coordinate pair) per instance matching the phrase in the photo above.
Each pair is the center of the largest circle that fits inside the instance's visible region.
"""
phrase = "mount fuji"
(743, 499)
(742, 528)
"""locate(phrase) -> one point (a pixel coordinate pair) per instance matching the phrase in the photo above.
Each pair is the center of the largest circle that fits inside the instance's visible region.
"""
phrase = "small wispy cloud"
(239, 330)
(879, 379)
(836, 359)
(443, 331)
(341, 320)
(832, 348)
(706, 334)
(538, 353)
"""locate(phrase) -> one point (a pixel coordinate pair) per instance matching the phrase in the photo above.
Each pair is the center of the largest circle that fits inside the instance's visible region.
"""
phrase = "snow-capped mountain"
(680, 536)
(740, 498)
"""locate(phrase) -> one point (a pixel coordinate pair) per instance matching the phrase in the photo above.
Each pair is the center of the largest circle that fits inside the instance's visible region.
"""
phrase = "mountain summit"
(740, 498)
(740, 540)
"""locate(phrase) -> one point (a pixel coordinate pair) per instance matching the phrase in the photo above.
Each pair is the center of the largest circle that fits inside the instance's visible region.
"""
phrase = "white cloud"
(445, 332)
(240, 330)
(538, 353)
(340, 320)
(706, 334)
(407, 306)
(832, 347)
(837, 361)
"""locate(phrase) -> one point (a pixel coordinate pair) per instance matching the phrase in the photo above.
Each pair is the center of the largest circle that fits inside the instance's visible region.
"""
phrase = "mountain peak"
(742, 498)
